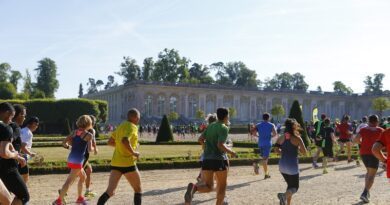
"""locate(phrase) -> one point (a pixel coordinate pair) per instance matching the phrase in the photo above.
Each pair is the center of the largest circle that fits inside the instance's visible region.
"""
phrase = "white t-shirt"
(26, 136)
(361, 126)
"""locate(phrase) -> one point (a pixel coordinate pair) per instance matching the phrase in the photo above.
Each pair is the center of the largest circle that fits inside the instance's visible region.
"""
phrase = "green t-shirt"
(214, 133)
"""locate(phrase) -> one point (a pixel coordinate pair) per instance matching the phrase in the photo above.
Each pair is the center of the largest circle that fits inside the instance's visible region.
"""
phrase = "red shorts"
(75, 166)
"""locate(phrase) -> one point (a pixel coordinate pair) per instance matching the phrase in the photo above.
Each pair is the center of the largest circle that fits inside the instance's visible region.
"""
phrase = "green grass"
(147, 151)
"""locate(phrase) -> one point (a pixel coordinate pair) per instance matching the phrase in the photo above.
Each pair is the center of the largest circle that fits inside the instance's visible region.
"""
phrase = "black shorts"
(215, 165)
(327, 151)
(344, 140)
(23, 170)
(370, 161)
(15, 184)
(86, 158)
(292, 182)
(124, 170)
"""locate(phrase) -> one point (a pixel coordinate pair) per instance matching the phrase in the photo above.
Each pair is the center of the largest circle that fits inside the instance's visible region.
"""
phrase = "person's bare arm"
(357, 139)
(222, 146)
(377, 151)
(5, 151)
(201, 139)
(274, 133)
(302, 147)
(26, 150)
(126, 143)
(278, 145)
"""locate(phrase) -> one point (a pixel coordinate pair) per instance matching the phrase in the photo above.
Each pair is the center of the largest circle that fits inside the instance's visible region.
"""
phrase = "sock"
(103, 199)
(87, 190)
(137, 198)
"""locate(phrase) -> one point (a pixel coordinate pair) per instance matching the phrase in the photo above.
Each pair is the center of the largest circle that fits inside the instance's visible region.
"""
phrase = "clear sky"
(324, 40)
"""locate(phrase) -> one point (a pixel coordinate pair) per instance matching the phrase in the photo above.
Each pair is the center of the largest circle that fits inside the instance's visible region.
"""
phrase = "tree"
(246, 77)
(278, 111)
(285, 81)
(99, 83)
(130, 71)
(199, 114)
(340, 88)
(7, 91)
(165, 132)
(374, 85)
(296, 113)
(147, 69)
(92, 86)
(14, 78)
(319, 89)
(170, 67)
(299, 82)
(173, 116)
(47, 77)
(4, 69)
(200, 74)
(232, 112)
(28, 86)
(380, 105)
(110, 82)
(37, 94)
(81, 91)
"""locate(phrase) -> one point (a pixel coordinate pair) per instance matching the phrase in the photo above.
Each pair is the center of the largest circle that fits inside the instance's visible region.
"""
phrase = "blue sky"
(324, 40)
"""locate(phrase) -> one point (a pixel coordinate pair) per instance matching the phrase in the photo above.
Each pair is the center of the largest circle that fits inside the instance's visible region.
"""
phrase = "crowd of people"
(327, 135)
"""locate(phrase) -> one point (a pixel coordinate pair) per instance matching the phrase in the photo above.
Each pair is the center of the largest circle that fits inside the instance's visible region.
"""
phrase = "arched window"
(148, 105)
(172, 104)
(160, 105)
(192, 106)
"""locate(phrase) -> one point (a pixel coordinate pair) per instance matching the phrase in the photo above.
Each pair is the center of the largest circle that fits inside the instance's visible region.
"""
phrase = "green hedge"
(54, 114)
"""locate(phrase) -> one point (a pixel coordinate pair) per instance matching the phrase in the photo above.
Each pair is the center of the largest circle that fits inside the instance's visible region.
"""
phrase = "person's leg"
(349, 145)
(325, 164)
(80, 185)
(5, 196)
(88, 171)
(316, 156)
(207, 183)
(115, 176)
(292, 188)
(69, 181)
(221, 177)
(14, 182)
(134, 179)
(264, 162)
(370, 176)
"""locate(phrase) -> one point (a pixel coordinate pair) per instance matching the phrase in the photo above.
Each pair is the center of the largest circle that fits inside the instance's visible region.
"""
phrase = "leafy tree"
(47, 77)
(28, 86)
(319, 89)
(14, 78)
(147, 69)
(170, 67)
(374, 85)
(296, 113)
(7, 91)
(92, 86)
(130, 71)
(283, 81)
(4, 69)
(340, 88)
(278, 111)
(299, 82)
(22, 96)
(380, 105)
(37, 94)
(221, 76)
(81, 91)
(200, 74)
(165, 132)
(232, 112)
(200, 114)
(99, 83)
(173, 116)
(246, 77)
(110, 82)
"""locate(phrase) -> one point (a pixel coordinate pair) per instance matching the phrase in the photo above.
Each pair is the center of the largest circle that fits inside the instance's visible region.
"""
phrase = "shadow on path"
(163, 191)
(307, 177)
(344, 168)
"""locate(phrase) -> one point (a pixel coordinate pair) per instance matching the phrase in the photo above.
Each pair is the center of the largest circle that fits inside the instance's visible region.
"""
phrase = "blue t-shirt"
(265, 133)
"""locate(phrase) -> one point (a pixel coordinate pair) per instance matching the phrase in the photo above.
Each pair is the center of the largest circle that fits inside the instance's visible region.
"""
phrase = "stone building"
(154, 99)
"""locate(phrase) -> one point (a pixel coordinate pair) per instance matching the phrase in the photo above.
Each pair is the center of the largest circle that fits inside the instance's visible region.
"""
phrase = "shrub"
(7, 91)
(165, 132)
(296, 113)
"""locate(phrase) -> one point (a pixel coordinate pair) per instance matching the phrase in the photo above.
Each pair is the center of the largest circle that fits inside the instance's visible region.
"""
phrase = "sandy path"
(342, 185)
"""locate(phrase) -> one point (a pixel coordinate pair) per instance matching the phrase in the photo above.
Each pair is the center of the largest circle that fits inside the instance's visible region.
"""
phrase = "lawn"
(147, 151)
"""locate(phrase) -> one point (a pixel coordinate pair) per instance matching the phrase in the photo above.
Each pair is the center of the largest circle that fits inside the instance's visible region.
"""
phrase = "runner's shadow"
(163, 191)
(237, 186)
(304, 169)
(360, 203)
(344, 168)
(198, 201)
(309, 177)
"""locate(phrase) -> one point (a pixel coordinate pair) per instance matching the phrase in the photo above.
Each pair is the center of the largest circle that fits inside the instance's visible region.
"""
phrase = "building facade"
(155, 99)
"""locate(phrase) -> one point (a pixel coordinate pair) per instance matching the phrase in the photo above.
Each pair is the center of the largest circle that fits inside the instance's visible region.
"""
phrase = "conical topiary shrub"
(165, 132)
(296, 113)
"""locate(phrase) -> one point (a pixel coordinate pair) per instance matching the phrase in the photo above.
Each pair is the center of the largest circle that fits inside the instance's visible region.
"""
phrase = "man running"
(345, 130)
(328, 139)
(265, 131)
(214, 162)
(125, 140)
(367, 137)
(383, 142)
(318, 128)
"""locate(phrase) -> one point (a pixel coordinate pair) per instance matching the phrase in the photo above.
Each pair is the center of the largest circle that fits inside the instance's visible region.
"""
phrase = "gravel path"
(342, 185)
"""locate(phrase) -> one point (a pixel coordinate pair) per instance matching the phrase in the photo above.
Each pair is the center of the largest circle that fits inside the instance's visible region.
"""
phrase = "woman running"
(78, 144)
(288, 145)
(86, 165)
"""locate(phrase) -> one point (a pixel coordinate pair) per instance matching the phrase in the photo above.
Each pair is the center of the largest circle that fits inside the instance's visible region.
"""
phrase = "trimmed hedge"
(54, 114)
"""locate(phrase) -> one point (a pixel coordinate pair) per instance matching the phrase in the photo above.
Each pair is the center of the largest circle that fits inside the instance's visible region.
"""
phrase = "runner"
(328, 138)
(362, 125)
(288, 145)
(318, 127)
(125, 140)
(265, 132)
(377, 150)
(78, 143)
(86, 165)
(214, 163)
(367, 137)
(9, 156)
(27, 135)
(345, 130)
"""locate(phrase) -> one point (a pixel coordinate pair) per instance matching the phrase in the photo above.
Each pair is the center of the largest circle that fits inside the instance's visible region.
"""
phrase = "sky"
(326, 41)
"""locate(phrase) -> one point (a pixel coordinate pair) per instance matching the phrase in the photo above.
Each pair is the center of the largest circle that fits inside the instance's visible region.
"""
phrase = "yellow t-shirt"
(121, 156)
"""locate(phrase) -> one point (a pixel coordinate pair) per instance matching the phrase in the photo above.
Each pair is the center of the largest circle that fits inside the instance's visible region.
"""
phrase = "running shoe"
(350, 160)
(358, 163)
(267, 176)
(63, 199)
(57, 202)
(364, 197)
(315, 165)
(325, 171)
(189, 194)
(81, 200)
(90, 194)
(282, 198)
(225, 201)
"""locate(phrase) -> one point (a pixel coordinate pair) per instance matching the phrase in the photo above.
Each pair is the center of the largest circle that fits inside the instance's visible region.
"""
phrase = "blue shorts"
(265, 151)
